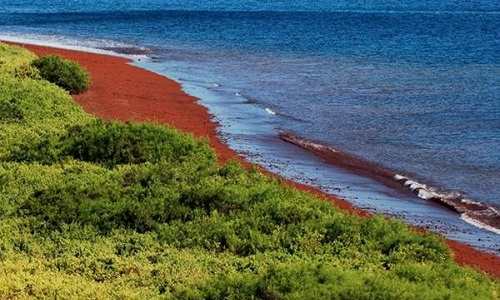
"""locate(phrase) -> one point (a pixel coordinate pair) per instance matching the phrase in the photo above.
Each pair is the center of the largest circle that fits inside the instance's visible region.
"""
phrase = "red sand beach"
(123, 92)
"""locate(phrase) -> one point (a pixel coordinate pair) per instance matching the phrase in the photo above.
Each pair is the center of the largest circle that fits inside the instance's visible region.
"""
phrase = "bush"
(27, 71)
(112, 143)
(10, 111)
(37, 101)
(15, 60)
(64, 73)
(316, 280)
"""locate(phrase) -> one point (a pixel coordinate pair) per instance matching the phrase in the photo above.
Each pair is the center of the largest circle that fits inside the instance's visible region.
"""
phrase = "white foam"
(417, 186)
(426, 195)
(422, 190)
(69, 44)
(479, 224)
(270, 111)
(237, 94)
(468, 201)
(409, 182)
(400, 177)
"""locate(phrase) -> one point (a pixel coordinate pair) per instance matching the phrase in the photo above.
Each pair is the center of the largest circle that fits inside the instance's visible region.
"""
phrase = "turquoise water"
(413, 86)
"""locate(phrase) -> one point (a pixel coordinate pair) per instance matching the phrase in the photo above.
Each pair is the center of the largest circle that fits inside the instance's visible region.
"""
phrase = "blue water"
(248, 5)
(411, 85)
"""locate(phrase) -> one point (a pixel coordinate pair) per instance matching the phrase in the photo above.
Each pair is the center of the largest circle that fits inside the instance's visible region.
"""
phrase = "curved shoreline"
(124, 92)
(476, 213)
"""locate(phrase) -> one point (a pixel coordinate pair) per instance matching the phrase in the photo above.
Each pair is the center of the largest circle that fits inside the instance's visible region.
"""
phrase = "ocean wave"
(473, 212)
(128, 50)
(270, 111)
(98, 46)
(479, 224)
(254, 101)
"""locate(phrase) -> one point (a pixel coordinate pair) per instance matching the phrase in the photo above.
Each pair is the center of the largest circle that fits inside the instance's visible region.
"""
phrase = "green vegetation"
(64, 73)
(94, 209)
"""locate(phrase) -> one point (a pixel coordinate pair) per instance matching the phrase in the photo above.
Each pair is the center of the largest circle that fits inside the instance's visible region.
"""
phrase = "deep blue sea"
(413, 86)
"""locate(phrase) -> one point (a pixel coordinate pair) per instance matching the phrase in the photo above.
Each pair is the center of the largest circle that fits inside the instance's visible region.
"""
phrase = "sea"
(391, 105)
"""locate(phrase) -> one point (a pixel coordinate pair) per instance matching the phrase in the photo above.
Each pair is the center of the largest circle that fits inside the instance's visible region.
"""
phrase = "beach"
(124, 92)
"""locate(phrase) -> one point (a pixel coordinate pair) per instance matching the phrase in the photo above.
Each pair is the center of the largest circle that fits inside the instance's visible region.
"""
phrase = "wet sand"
(124, 92)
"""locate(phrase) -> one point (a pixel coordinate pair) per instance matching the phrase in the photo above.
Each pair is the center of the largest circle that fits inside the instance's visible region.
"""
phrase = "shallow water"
(417, 92)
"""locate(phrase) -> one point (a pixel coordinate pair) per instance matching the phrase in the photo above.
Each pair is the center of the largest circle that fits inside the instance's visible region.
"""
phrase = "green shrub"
(36, 101)
(112, 143)
(27, 71)
(314, 280)
(10, 111)
(31, 111)
(15, 60)
(64, 73)
(244, 213)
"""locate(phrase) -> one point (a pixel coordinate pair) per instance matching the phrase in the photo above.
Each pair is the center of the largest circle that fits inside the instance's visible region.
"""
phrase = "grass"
(95, 209)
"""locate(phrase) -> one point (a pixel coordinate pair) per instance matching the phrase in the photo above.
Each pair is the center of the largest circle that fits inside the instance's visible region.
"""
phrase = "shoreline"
(121, 91)
(476, 213)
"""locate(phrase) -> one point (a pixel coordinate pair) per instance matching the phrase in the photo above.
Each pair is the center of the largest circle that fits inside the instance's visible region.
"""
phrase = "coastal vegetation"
(99, 209)
(64, 73)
